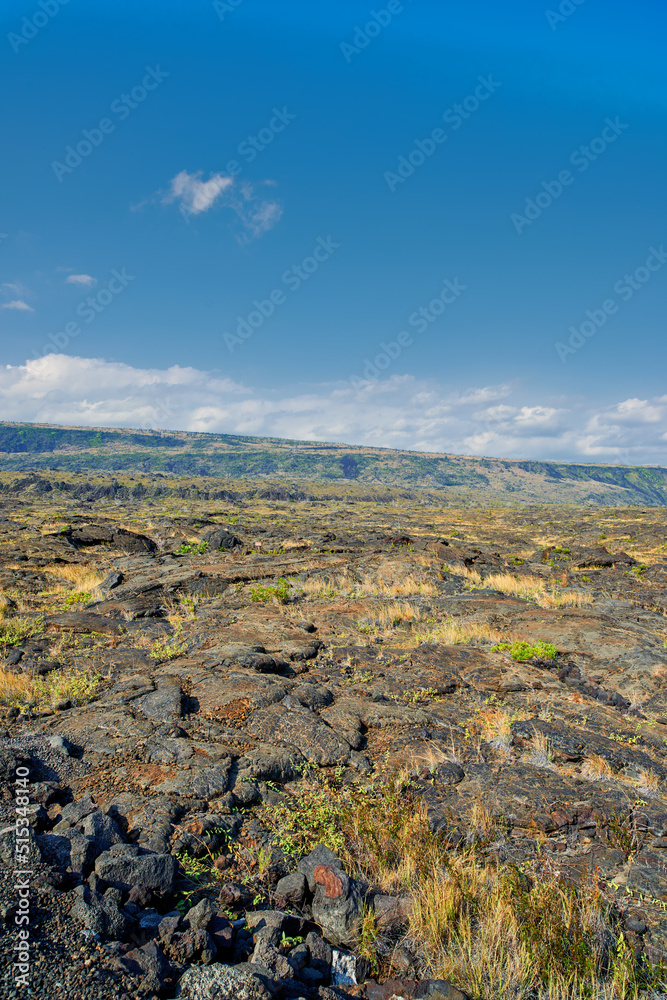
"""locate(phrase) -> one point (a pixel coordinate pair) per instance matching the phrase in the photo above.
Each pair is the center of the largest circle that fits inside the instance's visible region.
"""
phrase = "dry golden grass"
(295, 545)
(433, 755)
(473, 576)
(528, 587)
(479, 924)
(454, 632)
(79, 576)
(494, 724)
(399, 581)
(648, 784)
(540, 754)
(596, 768)
(534, 588)
(14, 687)
(389, 616)
(487, 932)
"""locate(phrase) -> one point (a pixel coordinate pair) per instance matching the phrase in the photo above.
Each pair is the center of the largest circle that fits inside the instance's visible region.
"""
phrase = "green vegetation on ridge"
(25, 447)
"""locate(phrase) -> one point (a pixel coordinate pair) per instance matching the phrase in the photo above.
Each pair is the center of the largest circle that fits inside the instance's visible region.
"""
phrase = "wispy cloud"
(80, 279)
(18, 304)
(398, 412)
(257, 214)
(195, 196)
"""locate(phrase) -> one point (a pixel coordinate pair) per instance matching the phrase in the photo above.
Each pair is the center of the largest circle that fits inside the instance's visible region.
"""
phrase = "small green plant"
(622, 833)
(184, 900)
(516, 561)
(14, 631)
(365, 677)
(367, 938)
(287, 943)
(419, 694)
(190, 604)
(624, 738)
(168, 649)
(192, 549)
(639, 571)
(264, 594)
(81, 597)
(522, 651)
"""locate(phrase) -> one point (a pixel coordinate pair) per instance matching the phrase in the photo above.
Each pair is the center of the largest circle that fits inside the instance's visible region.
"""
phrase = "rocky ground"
(178, 679)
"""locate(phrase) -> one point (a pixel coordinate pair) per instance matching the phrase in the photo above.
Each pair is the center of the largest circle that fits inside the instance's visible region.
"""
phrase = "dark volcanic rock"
(220, 538)
(300, 729)
(338, 906)
(100, 914)
(214, 982)
(163, 703)
(125, 865)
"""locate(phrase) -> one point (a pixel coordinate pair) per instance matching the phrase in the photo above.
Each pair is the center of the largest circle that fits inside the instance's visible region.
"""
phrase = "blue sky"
(202, 221)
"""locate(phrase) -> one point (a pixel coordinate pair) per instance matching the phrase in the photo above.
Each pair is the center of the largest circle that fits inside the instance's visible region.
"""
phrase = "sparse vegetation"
(541, 754)
(523, 651)
(596, 768)
(497, 906)
(528, 587)
(495, 725)
(80, 597)
(456, 632)
(488, 927)
(278, 592)
(75, 686)
(192, 549)
(169, 649)
(82, 577)
(14, 631)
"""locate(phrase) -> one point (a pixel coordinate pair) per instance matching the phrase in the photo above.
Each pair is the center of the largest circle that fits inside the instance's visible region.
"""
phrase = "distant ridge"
(49, 447)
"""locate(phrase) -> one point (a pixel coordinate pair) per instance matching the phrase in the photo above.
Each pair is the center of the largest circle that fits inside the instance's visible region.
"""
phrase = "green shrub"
(192, 549)
(522, 651)
(81, 597)
(263, 594)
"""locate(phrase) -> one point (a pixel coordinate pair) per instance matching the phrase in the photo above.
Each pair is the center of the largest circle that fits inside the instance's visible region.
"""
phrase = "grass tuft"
(528, 587)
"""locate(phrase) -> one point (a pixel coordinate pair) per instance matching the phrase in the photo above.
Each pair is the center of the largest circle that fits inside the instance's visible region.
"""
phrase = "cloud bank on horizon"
(397, 412)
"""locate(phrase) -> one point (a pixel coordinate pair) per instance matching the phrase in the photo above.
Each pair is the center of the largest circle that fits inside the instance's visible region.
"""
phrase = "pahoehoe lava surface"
(176, 666)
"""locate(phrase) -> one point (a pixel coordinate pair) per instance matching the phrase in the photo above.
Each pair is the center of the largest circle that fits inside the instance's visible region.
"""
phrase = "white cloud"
(12, 288)
(193, 194)
(18, 304)
(80, 279)
(196, 196)
(397, 412)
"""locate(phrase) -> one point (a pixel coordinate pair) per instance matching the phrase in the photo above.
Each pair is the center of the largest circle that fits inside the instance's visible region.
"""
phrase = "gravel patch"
(64, 961)
(53, 758)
